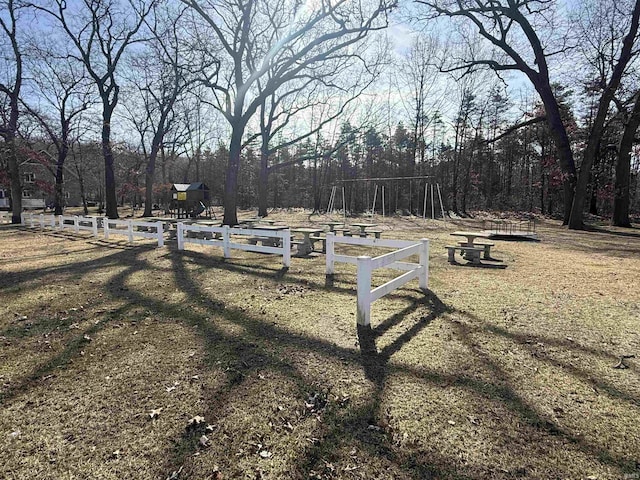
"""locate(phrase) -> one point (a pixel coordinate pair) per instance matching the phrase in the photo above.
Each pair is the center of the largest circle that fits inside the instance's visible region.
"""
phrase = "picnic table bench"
(471, 248)
(470, 253)
(480, 243)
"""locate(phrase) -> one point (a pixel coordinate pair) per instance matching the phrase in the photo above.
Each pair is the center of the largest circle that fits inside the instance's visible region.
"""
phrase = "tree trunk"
(620, 216)
(14, 175)
(83, 196)
(563, 146)
(109, 174)
(231, 182)
(263, 183)
(59, 195)
(148, 177)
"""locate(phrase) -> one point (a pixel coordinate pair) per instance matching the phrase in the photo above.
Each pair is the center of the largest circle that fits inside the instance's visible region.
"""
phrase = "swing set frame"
(427, 186)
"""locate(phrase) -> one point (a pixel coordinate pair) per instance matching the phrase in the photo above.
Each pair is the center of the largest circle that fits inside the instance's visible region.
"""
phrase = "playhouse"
(190, 200)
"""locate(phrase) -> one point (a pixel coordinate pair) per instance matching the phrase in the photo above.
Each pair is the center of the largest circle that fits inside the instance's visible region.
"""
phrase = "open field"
(495, 374)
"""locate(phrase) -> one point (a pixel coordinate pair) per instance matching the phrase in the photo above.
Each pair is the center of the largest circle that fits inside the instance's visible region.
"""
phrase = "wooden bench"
(470, 253)
(486, 245)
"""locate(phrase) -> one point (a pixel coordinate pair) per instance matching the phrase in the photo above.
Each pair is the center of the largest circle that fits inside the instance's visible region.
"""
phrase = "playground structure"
(190, 200)
(428, 203)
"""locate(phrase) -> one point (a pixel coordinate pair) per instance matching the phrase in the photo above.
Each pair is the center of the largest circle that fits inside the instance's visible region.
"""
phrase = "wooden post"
(130, 230)
(286, 246)
(329, 256)
(424, 262)
(105, 225)
(226, 240)
(160, 233)
(180, 236)
(76, 224)
(363, 313)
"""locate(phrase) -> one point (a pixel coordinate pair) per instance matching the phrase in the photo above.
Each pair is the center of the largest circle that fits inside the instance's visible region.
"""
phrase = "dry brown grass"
(497, 373)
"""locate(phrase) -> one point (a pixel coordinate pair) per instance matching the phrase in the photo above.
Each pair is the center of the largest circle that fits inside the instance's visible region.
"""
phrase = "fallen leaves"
(154, 413)
(195, 422)
(204, 441)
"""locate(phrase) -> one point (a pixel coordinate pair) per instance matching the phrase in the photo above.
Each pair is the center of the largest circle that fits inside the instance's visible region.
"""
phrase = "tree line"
(273, 103)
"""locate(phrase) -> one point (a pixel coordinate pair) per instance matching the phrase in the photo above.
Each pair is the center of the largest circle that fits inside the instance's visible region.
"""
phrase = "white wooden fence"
(222, 237)
(366, 265)
(76, 223)
(38, 220)
(132, 229)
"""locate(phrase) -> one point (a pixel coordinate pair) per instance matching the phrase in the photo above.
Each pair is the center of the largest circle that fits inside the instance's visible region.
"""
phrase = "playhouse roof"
(183, 187)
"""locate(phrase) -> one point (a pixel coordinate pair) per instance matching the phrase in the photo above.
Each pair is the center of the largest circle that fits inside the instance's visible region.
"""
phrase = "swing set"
(428, 188)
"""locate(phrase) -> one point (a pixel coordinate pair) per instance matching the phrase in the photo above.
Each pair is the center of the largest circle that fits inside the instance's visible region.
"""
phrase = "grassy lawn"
(494, 374)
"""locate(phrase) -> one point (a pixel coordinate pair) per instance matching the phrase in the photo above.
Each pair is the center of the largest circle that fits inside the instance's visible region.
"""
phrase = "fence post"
(130, 230)
(179, 236)
(94, 224)
(329, 261)
(31, 220)
(160, 232)
(424, 262)
(226, 242)
(61, 222)
(286, 245)
(364, 290)
(105, 225)
(42, 221)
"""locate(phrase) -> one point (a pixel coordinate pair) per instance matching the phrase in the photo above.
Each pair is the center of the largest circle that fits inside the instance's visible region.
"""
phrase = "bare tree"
(631, 123)
(610, 70)
(10, 86)
(163, 72)
(512, 28)
(418, 72)
(311, 104)
(306, 39)
(61, 86)
(101, 31)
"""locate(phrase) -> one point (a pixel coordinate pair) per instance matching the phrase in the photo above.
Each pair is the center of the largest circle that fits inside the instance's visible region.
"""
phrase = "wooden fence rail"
(223, 237)
(366, 265)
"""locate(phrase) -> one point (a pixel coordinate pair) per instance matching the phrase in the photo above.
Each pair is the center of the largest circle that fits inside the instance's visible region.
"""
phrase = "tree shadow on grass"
(502, 389)
(244, 356)
(74, 345)
(355, 424)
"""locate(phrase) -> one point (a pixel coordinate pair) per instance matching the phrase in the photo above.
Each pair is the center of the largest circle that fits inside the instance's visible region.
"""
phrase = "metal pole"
(424, 205)
(375, 196)
(433, 207)
(441, 206)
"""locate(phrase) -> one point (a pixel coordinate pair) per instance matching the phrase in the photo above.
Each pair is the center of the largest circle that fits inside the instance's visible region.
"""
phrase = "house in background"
(4, 199)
